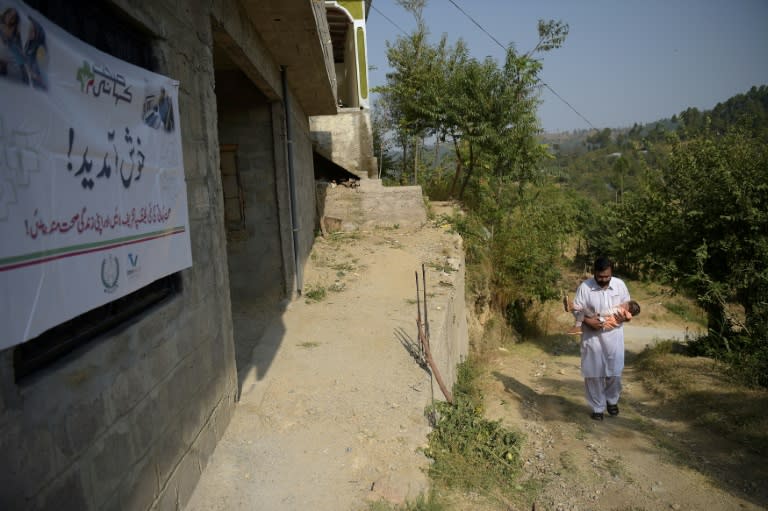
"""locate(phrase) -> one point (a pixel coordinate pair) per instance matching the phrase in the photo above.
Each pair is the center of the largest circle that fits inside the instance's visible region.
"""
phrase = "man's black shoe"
(597, 416)
(613, 410)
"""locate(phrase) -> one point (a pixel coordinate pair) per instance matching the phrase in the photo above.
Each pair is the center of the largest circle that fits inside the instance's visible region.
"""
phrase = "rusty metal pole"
(427, 351)
(424, 280)
(418, 316)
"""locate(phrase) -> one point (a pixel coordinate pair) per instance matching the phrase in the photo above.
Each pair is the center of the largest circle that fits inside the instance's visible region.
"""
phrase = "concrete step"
(371, 205)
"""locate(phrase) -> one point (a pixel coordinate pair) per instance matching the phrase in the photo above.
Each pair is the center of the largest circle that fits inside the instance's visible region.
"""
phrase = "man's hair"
(602, 263)
(633, 307)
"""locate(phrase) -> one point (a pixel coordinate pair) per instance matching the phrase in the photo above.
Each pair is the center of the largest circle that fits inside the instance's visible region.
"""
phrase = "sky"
(623, 62)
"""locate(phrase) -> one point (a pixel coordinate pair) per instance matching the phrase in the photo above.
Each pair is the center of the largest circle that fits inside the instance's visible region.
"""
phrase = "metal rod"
(295, 226)
(424, 281)
(418, 315)
(424, 341)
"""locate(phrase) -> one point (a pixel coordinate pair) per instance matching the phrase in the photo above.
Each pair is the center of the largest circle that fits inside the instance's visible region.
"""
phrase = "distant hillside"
(748, 110)
(603, 165)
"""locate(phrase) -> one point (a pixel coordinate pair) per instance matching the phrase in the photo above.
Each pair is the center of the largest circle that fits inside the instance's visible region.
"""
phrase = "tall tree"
(703, 221)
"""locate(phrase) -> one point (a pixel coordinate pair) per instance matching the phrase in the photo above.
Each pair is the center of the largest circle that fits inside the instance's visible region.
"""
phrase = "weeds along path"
(647, 458)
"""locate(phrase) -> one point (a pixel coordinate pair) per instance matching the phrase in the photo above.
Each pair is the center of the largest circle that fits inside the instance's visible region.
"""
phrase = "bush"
(746, 358)
(469, 451)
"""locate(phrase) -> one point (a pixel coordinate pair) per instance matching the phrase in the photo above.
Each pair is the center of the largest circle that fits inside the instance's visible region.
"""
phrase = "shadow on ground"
(718, 433)
(258, 332)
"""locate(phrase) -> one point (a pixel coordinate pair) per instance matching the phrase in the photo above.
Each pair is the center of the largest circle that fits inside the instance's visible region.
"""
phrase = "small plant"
(345, 267)
(341, 236)
(615, 468)
(441, 267)
(422, 503)
(314, 294)
(470, 451)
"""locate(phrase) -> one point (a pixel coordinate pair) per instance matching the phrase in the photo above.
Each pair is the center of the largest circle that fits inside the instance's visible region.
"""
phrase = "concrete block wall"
(255, 259)
(128, 421)
(373, 205)
(449, 337)
(305, 182)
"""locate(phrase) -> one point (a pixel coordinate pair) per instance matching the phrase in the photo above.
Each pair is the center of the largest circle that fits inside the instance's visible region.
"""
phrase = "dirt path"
(337, 419)
(644, 459)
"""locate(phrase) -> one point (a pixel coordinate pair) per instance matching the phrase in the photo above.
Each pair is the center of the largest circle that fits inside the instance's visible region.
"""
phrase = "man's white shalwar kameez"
(602, 352)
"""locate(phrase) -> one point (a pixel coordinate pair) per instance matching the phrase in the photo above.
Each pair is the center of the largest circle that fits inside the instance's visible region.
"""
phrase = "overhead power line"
(569, 105)
(505, 49)
(386, 18)
(478, 24)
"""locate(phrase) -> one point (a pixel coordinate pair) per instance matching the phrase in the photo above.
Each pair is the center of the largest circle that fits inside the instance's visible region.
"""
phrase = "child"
(625, 311)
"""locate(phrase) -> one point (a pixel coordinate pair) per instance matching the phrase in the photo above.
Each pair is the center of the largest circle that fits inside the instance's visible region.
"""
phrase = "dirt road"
(647, 458)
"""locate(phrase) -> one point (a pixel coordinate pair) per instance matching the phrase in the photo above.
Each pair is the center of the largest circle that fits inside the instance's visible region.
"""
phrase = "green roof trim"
(361, 64)
(355, 7)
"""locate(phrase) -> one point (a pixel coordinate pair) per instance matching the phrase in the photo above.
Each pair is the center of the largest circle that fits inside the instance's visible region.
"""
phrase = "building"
(346, 138)
(120, 407)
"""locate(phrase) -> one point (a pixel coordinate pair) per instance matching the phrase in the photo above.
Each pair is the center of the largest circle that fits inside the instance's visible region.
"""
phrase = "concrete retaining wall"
(449, 338)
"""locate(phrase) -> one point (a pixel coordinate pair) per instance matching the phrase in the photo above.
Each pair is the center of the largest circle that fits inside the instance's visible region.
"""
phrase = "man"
(602, 344)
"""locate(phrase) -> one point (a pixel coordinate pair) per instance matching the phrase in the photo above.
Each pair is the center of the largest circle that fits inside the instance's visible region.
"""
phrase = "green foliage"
(514, 239)
(314, 293)
(702, 224)
(745, 357)
(748, 112)
(430, 502)
(685, 201)
(469, 451)
(485, 111)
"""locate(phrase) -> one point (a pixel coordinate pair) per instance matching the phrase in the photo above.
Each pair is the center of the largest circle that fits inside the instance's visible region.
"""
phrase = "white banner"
(93, 203)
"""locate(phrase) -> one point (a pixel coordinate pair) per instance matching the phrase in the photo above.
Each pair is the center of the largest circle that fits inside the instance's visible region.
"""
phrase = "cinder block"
(144, 423)
(167, 452)
(128, 388)
(65, 493)
(111, 457)
(137, 492)
(187, 475)
(78, 429)
(29, 457)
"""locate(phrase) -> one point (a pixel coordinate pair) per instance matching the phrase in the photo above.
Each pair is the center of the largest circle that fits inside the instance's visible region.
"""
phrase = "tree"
(702, 221)
(486, 111)
(381, 125)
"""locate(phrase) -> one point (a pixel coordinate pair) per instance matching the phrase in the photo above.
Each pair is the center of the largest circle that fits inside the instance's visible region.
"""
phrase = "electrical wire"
(478, 25)
(505, 49)
(386, 18)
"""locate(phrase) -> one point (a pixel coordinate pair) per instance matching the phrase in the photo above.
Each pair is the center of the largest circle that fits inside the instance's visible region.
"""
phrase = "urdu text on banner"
(93, 202)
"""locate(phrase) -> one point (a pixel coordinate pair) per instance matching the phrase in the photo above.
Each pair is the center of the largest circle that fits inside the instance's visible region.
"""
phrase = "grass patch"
(616, 469)
(422, 503)
(308, 345)
(661, 303)
(700, 390)
(345, 267)
(470, 452)
(341, 236)
(314, 294)
(685, 311)
(443, 267)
